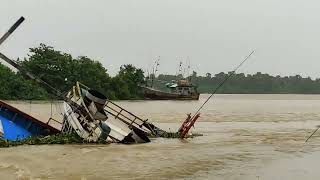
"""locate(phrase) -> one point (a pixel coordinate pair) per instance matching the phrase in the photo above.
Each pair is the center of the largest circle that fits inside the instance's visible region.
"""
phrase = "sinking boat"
(87, 113)
(17, 125)
(93, 117)
(182, 90)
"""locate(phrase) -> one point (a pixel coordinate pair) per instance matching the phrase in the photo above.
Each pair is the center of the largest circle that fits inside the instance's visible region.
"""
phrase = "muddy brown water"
(245, 137)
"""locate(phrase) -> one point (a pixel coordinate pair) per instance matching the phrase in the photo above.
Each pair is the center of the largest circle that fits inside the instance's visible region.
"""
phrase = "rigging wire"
(312, 133)
(222, 82)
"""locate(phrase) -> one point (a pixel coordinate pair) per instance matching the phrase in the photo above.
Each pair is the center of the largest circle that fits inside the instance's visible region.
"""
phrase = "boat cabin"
(183, 87)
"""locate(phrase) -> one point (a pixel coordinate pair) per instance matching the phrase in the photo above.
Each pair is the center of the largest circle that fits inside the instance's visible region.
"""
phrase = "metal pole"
(312, 134)
(14, 27)
(222, 82)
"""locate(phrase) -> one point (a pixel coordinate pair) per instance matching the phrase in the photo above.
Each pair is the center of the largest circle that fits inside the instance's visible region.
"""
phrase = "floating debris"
(173, 135)
(42, 140)
(70, 139)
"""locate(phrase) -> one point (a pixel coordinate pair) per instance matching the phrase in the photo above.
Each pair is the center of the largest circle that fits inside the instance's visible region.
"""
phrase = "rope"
(312, 134)
(222, 82)
(58, 108)
(51, 109)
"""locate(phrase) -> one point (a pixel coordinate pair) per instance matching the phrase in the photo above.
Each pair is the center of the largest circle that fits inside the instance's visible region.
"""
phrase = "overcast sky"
(215, 34)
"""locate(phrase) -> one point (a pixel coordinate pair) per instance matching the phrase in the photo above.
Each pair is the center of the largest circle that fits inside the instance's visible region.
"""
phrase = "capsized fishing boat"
(17, 125)
(87, 113)
(181, 90)
(93, 117)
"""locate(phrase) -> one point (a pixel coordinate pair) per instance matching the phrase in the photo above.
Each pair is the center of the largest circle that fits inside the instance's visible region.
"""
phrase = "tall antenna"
(223, 82)
(147, 78)
(177, 70)
(157, 65)
(188, 59)
(155, 70)
(180, 67)
(186, 67)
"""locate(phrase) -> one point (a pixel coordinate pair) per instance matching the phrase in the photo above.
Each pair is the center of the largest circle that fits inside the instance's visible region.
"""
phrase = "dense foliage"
(61, 71)
(258, 83)
(14, 86)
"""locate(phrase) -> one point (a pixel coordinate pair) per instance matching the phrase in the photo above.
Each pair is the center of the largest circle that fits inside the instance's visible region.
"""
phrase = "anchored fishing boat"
(17, 125)
(181, 90)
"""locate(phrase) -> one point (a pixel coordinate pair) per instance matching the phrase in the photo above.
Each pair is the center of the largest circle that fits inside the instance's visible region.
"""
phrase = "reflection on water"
(245, 137)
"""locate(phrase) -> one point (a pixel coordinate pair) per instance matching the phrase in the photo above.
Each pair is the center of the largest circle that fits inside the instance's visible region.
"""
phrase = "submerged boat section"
(17, 125)
(93, 117)
(88, 113)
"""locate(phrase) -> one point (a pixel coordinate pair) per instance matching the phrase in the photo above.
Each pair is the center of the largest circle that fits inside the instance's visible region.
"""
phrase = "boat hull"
(17, 125)
(160, 95)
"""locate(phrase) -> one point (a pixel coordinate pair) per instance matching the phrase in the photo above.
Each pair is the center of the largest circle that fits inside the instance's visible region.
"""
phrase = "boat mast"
(10, 31)
(179, 73)
(180, 68)
(188, 71)
(154, 70)
(222, 83)
(21, 69)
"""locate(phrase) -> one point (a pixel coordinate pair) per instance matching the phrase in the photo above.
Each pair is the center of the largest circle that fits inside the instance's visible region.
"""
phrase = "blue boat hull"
(14, 131)
(18, 125)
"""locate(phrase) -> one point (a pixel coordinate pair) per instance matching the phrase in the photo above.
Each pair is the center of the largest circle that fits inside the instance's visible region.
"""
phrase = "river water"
(244, 137)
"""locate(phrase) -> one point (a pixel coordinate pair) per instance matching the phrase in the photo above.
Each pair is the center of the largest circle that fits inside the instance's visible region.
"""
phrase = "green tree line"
(61, 71)
(258, 83)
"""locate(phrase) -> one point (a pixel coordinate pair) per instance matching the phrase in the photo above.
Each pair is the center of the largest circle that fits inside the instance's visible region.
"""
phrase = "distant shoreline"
(142, 99)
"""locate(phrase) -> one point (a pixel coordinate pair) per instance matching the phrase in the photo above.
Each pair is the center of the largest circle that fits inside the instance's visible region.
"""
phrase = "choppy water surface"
(245, 137)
